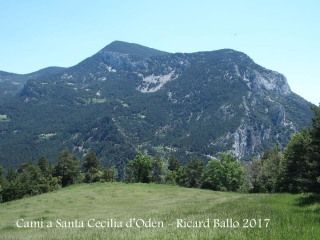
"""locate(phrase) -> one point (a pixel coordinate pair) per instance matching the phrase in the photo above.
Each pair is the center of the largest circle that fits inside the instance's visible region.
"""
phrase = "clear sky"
(282, 35)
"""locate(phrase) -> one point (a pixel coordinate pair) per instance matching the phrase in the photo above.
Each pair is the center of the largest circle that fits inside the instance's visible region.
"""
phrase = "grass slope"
(292, 216)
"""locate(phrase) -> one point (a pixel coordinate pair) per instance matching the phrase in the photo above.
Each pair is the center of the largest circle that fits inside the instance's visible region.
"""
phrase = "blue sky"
(280, 35)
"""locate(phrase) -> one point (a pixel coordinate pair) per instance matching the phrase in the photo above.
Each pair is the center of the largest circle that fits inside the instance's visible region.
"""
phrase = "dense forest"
(296, 169)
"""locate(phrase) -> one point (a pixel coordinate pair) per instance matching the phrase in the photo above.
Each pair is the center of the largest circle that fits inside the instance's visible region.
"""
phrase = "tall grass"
(291, 216)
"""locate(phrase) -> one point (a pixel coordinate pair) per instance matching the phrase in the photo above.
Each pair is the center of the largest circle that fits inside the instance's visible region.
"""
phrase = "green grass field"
(291, 216)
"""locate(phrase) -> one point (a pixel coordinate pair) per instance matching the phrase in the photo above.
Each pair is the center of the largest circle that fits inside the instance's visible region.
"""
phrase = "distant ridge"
(133, 49)
(12, 83)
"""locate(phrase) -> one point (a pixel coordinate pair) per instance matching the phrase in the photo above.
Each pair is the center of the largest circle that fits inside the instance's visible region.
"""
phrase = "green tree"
(173, 163)
(1, 190)
(270, 170)
(226, 174)
(110, 174)
(181, 177)
(171, 173)
(314, 157)
(26, 182)
(234, 172)
(10, 189)
(29, 176)
(294, 165)
(194, 171)
(253, 172)
(67, 168)
(3, 182)
(45, 166)
(157, 170)
(139, 169)
(91, 167)
(47, 182)
(91, 161)
(214, 175)
(171, 177)
(11, 175)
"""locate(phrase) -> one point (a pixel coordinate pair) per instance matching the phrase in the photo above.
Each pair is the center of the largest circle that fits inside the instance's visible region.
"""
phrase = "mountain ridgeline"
(128, 97)
(11, 83)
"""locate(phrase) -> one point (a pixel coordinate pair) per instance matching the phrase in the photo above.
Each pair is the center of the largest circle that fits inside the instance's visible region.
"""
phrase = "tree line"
(31, 179)
(296, 169)
(223, 174)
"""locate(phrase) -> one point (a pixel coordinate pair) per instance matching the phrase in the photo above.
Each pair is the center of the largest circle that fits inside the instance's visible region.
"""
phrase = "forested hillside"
(129, 98)
(294, 170)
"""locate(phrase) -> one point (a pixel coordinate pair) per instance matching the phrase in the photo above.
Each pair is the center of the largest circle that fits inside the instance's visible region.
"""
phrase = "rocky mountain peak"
(257, 78)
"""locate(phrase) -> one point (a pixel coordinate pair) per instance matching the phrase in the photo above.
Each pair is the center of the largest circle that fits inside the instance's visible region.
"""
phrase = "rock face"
(128, 97)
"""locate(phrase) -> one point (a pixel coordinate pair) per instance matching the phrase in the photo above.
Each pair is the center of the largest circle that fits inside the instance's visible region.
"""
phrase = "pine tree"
(294, 165)
(91, 161)
(314, 159)
(44, 166)
(270, 169)
(67, 168)
(91, 166)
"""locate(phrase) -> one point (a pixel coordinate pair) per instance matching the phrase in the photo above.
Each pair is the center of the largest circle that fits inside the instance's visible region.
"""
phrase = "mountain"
(132, 49)
(11, 83)
(128, 97)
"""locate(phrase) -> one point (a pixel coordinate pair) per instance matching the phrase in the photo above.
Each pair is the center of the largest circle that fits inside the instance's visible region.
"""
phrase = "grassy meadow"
(291, 216)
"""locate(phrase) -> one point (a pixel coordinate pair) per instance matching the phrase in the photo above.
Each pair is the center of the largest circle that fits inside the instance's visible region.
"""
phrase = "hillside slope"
(128, 97)
(291, 216)
(11, 83)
